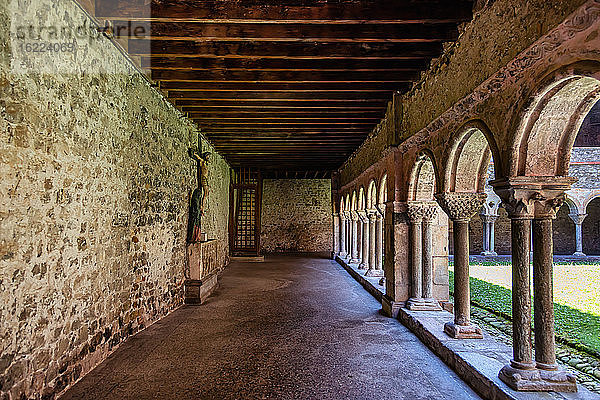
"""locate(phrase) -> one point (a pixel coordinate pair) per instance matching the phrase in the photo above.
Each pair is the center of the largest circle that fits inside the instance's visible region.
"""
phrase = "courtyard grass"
(574, 327)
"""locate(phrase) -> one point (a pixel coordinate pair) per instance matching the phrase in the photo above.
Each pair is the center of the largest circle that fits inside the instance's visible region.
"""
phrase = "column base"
(353, 261)
(538, 380)
(488, 253)
(374, 273)
(342, 254)
(363, 266)
(421, 304)
(463, 331)
(579, 254)
(390, 308)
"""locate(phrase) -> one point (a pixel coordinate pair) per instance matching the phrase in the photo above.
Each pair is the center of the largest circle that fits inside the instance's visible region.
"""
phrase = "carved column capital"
(532, 196)
(418, 211)
(362, 215)
(354, 215)
(372, 215)
(461, 206)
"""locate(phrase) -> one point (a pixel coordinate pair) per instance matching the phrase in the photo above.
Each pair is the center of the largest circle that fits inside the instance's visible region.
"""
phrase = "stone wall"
(585, 166)
(93, 205)
(296, 216)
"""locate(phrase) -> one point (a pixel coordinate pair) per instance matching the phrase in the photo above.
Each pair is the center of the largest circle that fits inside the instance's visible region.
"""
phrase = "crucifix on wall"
(194, 231)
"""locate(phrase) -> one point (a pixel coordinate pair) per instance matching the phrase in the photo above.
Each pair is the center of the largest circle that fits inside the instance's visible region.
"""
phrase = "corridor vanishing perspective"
(246, 199)
(292, 327)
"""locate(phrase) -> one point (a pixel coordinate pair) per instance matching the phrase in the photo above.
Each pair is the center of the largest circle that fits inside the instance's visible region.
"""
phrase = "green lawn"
(576, 286)
(578, 328)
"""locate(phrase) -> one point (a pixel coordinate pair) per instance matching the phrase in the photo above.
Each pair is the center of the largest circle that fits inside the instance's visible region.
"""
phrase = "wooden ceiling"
(289, 85)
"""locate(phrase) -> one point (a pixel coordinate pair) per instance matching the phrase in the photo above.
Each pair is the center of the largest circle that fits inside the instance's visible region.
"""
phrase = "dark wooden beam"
(179, 48)
(284, 76)
(272, 31)
(320, 104)
(245, 95)
(317, 130)
(278, 138)
(283, 86)
(285, 121)
(207, 114)
(310, 64)
(288, 11)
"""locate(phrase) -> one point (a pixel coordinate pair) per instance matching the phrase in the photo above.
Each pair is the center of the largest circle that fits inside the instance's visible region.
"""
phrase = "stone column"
(373, 271)
(547, 204)
(461, 207)
(488, 221)
(429, 213)
(348, 235)
(415, 217)
(336, 234)
(365, 241)
(525, 198)
(354, 246)
(486, 235)
(379, 242)
(418, 211)
(343, 252)
(578, 220)
(492, 245)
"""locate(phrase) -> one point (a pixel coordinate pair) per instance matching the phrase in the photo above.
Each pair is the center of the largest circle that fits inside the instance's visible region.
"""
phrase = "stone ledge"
(477, 362)
(371, 284)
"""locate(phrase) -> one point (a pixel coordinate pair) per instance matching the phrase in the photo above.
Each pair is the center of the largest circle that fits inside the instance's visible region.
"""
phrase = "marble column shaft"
(416, 257)
(578, 221)
(461, 207)
(354, 241)
(545, 355)
(521, 295)
(373, 241)
(365, 241)
(343, 236)
(428, 253)
(379, 242)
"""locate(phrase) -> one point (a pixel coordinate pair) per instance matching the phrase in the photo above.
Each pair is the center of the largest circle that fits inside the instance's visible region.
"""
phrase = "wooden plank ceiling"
(287, 86)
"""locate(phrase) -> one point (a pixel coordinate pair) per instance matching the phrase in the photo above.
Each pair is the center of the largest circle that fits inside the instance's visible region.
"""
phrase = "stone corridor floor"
(288, 328)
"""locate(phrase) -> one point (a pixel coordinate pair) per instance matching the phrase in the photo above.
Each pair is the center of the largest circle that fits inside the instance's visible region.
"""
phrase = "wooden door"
(244, 222)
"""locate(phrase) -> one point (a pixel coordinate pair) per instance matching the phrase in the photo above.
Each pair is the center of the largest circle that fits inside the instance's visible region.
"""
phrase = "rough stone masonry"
(93, 205)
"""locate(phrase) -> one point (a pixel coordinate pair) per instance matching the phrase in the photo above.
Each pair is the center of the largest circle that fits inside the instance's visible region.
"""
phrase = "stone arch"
(372, 195)
(563, 230)
(423, 178)
(382, 197)
(361, 201)
(573, 209)
(591, 227)
(353, 201)
(549, 124)
(591, 198)
(469, 159)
